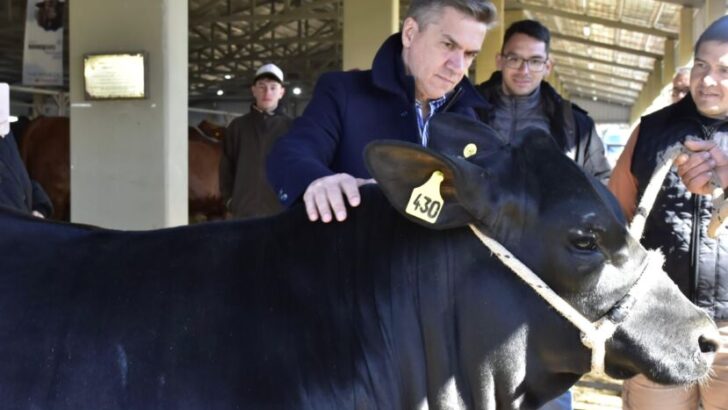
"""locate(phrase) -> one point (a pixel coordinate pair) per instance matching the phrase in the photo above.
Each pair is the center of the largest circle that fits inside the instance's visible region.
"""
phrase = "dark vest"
(678, 221)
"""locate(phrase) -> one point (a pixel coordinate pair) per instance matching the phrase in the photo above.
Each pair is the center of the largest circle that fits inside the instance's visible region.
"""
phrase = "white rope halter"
(593, 335)
(719, 217)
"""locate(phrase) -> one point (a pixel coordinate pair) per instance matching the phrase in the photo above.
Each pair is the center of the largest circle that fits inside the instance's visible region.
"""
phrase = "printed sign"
(114, 76)
(43, 51)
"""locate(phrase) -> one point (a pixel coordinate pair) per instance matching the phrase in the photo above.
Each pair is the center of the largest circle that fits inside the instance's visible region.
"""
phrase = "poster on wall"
(43, 51)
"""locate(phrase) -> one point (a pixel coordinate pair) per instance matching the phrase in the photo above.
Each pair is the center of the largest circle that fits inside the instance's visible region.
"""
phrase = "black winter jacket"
(243, 184)
(678, 220)
(570, 126)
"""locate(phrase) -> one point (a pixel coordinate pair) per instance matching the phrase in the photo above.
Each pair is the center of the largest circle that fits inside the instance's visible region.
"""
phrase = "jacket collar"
(388, 73)
(279, 110)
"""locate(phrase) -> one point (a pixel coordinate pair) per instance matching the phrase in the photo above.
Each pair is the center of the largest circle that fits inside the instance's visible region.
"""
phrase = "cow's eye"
(585, 242)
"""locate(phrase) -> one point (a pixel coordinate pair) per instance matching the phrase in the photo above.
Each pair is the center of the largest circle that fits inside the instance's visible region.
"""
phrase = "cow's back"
(280, 312)
(223, 313)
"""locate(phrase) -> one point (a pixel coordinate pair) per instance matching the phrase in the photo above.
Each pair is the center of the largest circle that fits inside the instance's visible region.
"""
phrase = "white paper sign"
(43, 52)
(4, 109)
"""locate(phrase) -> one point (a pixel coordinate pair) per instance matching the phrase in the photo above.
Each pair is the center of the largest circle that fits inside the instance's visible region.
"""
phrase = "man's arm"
(299, 164)
(622, 183)
(42, 205)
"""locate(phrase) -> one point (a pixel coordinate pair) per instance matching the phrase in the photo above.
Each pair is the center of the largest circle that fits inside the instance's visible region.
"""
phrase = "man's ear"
(404, 171)
(409, 29)
(499, 61)
(550, 63)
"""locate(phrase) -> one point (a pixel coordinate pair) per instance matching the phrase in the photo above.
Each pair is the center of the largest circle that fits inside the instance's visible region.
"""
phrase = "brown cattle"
(45, 148)
(210, 129)
(205, 150)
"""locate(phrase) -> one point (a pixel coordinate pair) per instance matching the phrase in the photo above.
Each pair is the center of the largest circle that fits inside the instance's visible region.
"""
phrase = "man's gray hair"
(425, 12)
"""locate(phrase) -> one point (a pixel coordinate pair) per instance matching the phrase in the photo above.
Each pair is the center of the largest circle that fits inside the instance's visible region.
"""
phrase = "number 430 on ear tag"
(426, 202)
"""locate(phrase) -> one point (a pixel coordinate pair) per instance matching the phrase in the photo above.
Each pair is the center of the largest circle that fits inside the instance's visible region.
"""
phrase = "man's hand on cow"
(325, 196)
(704, 164)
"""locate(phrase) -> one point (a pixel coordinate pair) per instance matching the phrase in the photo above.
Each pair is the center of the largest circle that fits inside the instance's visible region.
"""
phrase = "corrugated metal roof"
(228, 39)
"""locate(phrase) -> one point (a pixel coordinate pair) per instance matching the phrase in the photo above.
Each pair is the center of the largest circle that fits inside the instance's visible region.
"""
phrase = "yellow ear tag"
(470, 150)
(426, 202)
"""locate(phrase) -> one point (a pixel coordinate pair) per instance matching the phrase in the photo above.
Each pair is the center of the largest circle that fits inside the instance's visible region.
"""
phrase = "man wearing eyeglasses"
(520, 98)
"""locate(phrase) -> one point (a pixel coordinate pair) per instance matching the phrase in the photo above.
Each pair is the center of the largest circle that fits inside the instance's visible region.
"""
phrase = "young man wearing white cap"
(248, 139)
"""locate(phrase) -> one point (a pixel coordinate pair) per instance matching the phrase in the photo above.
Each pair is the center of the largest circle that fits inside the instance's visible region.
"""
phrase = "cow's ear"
(422, 184)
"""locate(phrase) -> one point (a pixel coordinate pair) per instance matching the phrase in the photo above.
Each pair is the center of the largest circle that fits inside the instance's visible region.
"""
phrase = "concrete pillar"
(685, 38)
(714, 9)
(485, 61)
(129, 157)
(668, 61)
(676, 55)
(366, 25)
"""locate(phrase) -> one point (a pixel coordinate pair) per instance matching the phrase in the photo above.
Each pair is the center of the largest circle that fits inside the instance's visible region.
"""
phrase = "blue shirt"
(423, 122)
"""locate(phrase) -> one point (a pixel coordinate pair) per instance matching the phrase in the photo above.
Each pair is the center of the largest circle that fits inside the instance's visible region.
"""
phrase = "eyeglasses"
(534, 64)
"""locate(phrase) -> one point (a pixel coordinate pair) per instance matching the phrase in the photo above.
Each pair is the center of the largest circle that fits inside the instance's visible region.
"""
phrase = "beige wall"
(366, 25)
(129, 158)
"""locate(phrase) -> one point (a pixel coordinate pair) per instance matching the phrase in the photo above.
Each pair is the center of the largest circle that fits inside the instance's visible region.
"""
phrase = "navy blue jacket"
(17, 191)
(348, 110)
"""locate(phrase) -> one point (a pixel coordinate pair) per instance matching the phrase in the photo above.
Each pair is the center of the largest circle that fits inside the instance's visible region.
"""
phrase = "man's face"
(709, 79)
(519, 63)
(680, 87)
(439, 55)
(267, 93)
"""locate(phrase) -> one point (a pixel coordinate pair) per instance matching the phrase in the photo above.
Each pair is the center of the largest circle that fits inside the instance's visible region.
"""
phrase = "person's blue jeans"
(562, 402)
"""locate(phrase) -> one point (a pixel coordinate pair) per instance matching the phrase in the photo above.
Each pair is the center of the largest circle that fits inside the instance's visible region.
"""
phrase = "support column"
(366, 25)
(485, 61)
(668, 61)
(676, 55)
(129, 158)
(714, 9)
(685, 38)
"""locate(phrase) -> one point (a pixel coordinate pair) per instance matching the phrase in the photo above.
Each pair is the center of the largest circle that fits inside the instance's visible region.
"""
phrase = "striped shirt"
(423, 122)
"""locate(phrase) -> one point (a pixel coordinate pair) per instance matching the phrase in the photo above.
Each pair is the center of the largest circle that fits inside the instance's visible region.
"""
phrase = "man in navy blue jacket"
(17, 190)
(416, 73)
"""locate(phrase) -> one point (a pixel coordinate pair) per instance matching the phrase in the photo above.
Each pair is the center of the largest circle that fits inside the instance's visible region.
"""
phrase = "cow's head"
(562, 224)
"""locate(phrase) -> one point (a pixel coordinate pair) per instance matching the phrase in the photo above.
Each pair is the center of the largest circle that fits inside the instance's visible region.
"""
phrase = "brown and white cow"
(45, 149)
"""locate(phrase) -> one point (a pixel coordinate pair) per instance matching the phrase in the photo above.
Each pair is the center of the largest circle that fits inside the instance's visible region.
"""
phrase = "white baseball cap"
(269, 70)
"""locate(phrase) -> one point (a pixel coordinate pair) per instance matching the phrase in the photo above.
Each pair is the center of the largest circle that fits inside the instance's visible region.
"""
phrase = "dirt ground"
(592, 393)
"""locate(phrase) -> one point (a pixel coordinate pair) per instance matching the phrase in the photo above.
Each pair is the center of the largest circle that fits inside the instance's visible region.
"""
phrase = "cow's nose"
(709, 342)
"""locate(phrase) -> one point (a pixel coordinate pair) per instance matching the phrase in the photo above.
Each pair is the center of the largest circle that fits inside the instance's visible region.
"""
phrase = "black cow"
(374, 313)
